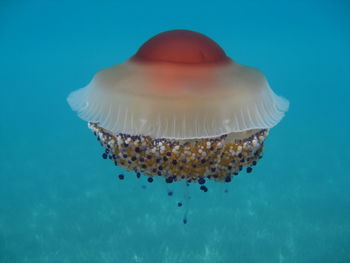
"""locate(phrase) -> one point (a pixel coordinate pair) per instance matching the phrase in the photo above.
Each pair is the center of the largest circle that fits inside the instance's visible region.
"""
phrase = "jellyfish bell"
(182, 109)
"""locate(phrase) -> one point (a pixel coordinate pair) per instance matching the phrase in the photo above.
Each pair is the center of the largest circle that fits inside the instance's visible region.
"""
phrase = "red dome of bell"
(181, 46)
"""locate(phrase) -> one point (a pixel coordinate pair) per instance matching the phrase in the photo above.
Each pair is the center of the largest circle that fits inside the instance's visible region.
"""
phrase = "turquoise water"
(60, 202)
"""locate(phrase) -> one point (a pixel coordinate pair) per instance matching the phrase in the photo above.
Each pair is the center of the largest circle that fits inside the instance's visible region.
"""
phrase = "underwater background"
(61, 202)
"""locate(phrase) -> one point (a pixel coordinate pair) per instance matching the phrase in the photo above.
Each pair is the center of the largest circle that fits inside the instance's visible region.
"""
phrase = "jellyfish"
(180, 109)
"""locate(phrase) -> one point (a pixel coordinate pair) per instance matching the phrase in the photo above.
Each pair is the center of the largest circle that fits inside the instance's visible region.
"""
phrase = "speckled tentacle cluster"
(216, 158)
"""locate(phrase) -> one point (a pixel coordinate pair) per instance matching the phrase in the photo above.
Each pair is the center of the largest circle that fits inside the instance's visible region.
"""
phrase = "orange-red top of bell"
(181, 46)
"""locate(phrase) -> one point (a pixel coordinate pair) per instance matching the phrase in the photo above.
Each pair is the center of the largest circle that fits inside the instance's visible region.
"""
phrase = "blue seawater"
(60, 202)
